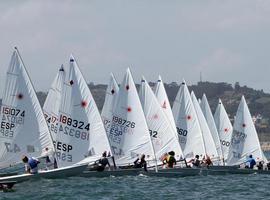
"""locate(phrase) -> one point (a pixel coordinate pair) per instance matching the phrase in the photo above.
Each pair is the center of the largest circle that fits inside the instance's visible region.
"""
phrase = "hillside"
(258, 101)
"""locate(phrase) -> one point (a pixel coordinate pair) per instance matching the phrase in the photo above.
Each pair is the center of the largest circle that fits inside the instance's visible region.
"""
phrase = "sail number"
(153, 133)
(224, 143)
(12, 148)
(123, 122)
(181, 131)
(74, 123)
(12, 111)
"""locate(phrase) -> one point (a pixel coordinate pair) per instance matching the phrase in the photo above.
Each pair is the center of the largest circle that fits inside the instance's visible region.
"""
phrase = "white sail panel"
(53, 101)
(109, 102)
(224, 128)
(211, 124)
(187, 124)
(208, 141)
(163, 135)
(81, 131)
(245, 140)
(163, 100)
(24, 130)
(129, 135)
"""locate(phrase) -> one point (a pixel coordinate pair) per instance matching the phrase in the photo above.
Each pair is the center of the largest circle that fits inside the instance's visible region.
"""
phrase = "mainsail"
(211, 124)
(24, 130)
(53, 101)
(129, 135)
(244, 140)
(187, 124)
(224, 128)
(163, 100)
(109, 102)
(81, 132)
(209, 144)
(163, 135)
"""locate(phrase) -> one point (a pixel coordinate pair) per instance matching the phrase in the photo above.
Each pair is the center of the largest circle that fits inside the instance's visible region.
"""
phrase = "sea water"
(253, 186)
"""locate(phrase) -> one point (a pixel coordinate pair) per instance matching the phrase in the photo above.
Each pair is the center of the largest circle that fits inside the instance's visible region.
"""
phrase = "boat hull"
(50, 174)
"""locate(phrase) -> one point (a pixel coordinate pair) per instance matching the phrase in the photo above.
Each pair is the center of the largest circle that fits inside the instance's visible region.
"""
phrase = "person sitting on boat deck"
(195, 161)
(268, 166)
(164, 158)
(260, 165)
(207, 161)
(50, 161)
(171, 161)
(139, 163)
(103, 162)
(31, 165)
(250, 163)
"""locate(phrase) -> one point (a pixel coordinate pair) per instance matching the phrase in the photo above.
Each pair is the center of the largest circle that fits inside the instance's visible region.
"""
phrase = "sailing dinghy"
(23, 126)
(129, 135)
(187, 124)
(163, 135)
(80, 135)
(245, 139)
(211, 124)
(224, 128)
(208, 142)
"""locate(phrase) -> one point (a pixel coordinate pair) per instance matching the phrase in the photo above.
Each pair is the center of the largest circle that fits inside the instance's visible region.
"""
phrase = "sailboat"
(163, 100)
(129, 135)
(162, 133)
(23, 126)
(224, 128)
(245, 139)
(187, 124)
(211, 124)
(208, 142)
(110, 97)
(81, 134)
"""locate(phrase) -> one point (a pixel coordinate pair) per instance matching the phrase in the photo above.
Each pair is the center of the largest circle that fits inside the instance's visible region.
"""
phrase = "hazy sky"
(226, 40)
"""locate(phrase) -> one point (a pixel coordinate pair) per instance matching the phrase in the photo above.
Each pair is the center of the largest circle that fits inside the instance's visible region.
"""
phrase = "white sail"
(211, 124)
(129, 135)
(224, 128)
(163, 135)
(187, 124)
(208, 140)
(81, 132)
(53, 101)
(163, 100)
(24, 130)
(245, 140)
(109, 102)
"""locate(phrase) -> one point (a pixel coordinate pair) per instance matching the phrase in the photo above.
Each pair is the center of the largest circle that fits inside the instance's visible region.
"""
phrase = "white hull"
(54, 173)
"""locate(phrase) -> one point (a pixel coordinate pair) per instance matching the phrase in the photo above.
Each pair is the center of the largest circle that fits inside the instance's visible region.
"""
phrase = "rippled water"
(252, 186)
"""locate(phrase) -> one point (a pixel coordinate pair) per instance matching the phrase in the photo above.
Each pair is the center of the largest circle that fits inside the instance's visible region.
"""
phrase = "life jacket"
(32, 163)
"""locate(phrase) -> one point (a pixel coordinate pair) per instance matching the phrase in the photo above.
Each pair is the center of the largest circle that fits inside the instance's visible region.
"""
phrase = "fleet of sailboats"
(72, 131)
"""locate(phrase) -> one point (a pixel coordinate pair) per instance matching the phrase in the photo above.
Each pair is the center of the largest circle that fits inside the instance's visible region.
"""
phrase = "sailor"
(103, 162)
(250, 163)
(171, 161)
(49, 159)
(31, 165)
(195, 161)
(207, 161)
(260, 165)
(139, 163)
